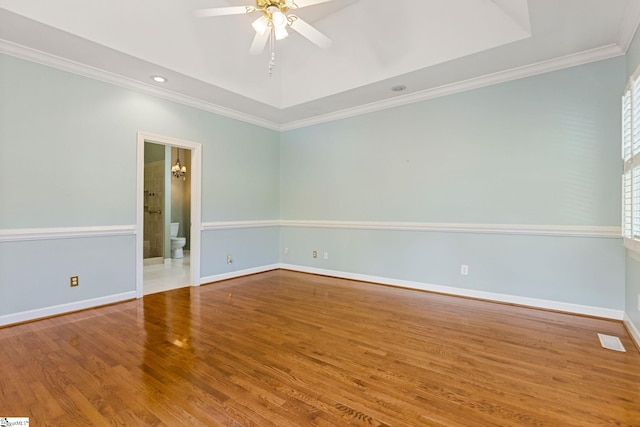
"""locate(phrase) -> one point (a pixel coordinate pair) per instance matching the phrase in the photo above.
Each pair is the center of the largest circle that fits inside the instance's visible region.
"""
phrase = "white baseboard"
(489, 296)
(633, 331)
(239, 273)
(40, 313)
(605, 313)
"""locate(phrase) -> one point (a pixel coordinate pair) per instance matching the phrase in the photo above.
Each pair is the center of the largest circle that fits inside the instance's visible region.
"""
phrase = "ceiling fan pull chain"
(272, 46)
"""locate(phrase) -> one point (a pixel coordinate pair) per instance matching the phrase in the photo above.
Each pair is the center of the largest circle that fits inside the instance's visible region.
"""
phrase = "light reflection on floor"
(164, 277)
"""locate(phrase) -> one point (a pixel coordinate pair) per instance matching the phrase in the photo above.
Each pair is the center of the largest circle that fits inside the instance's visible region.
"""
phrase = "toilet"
(177, 243)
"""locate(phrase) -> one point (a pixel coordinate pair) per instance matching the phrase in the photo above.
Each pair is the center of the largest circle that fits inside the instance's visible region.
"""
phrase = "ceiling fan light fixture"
(281, 33)
(260, 25)
(272, 23)
(279, 19)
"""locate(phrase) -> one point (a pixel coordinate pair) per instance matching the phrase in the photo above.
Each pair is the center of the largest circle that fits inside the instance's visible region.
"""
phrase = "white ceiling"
(432, 47)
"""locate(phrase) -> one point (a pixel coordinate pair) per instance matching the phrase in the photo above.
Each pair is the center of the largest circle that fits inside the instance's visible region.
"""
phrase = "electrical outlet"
(639, 301)
(286, 251)
(326, 255)
(229, 259)
(464, 270)
(74, 281)
(315, 254)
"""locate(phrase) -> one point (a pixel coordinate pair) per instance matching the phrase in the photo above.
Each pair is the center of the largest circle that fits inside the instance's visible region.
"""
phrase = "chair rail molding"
(54, 233)
(612, 232)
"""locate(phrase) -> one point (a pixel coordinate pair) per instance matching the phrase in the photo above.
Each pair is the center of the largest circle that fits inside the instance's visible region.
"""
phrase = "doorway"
(167, 202)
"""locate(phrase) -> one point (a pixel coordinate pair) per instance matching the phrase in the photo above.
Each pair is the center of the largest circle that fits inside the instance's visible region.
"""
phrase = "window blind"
(630, 152)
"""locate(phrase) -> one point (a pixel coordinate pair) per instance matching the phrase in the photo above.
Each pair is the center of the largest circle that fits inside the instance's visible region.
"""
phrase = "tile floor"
(164, 277)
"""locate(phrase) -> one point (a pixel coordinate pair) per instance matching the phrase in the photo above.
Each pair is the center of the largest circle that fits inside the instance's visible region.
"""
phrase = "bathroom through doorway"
(168, 217)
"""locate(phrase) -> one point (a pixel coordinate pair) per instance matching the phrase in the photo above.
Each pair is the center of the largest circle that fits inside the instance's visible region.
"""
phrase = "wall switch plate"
(326, 255)
(315, 254)
(286, 251)
(229, 259)
(464, 270)
(74, 281)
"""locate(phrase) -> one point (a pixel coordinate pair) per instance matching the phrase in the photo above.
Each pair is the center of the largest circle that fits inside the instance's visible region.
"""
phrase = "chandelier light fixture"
(178, 170)
(273, 23)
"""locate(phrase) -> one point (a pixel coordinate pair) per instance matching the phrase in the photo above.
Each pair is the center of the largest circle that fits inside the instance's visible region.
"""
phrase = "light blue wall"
(632, 285)
(73, 140)
(250, 247)
(632, 293)
(580, 271)
(68, 150)
(539, 151)
(35, 274)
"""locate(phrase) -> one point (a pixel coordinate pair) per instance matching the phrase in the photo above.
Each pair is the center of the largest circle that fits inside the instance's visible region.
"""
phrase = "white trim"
(609, 232)
(239, 273)
(633, 331)
(54, 233)
(605, 313)
(196, 205)
(55, 310)
(488, 296)
(74, 67)
(629, 25)
(556, 64)
(139, 216)
(230, 225)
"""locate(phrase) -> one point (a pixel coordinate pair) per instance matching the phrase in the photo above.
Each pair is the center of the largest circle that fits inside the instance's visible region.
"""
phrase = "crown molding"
(556, 64)
(629, 25)
(74, 67)
(593, 55)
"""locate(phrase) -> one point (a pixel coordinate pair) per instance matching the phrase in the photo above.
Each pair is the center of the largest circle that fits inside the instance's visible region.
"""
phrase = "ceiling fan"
(273, 22)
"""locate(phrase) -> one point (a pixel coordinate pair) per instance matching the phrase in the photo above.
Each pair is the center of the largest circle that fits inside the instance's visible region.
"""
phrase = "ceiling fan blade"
(221, 11)
(305, 3)
(259, 42)
(307, 31)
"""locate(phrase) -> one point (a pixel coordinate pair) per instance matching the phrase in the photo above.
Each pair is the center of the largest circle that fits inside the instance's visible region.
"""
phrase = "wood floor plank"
(291, 349)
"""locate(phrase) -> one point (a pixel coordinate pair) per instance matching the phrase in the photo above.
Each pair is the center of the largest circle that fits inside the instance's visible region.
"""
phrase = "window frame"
(630, 153)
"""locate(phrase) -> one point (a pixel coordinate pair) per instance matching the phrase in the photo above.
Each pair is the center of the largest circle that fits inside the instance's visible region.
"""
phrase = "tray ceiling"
(425, 45)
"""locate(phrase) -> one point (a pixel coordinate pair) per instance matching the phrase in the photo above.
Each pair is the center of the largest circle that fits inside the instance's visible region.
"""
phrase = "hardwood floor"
(290, 349)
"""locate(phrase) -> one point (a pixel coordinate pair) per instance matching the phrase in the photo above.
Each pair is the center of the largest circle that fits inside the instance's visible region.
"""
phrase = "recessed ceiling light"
(398, 88)
(159, 79)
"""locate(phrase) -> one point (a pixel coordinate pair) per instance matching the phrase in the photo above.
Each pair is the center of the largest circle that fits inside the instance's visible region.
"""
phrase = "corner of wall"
(633, 330)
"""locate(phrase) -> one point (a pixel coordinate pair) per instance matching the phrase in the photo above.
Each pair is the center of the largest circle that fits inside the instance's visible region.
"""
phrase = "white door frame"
(196, 205)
